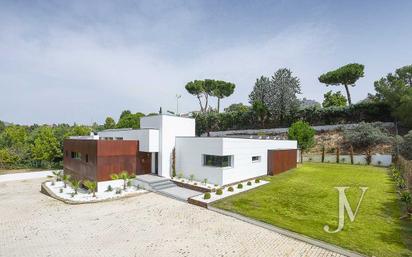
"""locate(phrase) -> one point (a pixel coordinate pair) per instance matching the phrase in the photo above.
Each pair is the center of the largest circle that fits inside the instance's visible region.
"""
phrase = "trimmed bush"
(249, 183)
(118, 191)
(257, 180)
(219, 191)
(239, 186)
(109, 188)
(206, 195)
(230, 189)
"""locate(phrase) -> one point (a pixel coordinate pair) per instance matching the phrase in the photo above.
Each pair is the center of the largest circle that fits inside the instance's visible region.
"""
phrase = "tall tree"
(2, 126)
(221, 90)
(282, 95)
(396, 90)
(333, 99)
(109, 123)
(196, 88)
(346, 75)
(261, 91)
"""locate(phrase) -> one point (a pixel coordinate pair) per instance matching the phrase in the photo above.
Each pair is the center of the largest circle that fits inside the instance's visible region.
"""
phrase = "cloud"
(65, 69)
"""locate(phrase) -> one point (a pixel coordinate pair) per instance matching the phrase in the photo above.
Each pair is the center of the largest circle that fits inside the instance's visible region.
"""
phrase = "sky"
(81, 61)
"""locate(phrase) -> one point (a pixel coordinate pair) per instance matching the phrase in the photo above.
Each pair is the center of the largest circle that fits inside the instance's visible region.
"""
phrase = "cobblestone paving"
(32, 224)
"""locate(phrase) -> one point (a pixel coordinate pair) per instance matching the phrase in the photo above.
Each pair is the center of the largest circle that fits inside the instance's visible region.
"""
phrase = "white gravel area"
(84, 196)
(226, 192)
(26, 175)
(33, 224)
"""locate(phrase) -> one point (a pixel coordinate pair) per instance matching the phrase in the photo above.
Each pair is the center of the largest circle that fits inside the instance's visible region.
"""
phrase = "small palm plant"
(122, 175)
(58, 175)
(66, 179)
(205, 181)
(92, 186)
(75, 185)
(191, 177)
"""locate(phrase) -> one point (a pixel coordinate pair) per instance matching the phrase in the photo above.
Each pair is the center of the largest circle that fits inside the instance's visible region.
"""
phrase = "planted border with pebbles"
(68, 195)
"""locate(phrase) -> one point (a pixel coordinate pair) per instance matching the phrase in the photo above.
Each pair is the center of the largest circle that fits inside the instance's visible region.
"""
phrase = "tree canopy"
(130, 120)
(203, 89)
(333, 99)
(302, 132)
(396, 90)
(109, 123)
(240, 107)
(346, 75)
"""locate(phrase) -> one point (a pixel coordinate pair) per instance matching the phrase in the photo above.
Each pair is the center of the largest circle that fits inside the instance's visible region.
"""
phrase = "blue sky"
(80, 61)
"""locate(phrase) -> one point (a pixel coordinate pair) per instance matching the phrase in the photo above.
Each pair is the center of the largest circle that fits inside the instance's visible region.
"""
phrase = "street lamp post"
(177, 103)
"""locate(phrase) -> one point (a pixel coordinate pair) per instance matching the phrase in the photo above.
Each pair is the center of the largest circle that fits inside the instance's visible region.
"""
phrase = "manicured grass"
(304, 200)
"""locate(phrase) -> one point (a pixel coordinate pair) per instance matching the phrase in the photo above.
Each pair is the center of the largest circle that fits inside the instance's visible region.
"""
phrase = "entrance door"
(144, 163)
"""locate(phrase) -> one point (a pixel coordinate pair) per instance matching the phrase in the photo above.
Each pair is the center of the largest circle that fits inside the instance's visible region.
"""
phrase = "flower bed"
(194, 185)
(227, 191)
(58, 191)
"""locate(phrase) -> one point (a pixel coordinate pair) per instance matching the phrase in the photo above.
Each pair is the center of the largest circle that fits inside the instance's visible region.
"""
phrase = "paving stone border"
(288, 233)
(45, 190)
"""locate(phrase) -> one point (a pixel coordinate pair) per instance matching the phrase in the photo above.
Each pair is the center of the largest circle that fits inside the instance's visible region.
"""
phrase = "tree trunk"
(348, 94)
(200, 103)
(301, 156)
(351, 154)
(207, 102)
(218, 105)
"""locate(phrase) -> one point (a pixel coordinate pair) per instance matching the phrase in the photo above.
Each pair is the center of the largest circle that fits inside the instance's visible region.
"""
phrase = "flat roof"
(125, 129)
(271, 139)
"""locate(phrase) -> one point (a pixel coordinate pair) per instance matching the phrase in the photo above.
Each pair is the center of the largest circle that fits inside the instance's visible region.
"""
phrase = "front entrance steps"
(165, 187)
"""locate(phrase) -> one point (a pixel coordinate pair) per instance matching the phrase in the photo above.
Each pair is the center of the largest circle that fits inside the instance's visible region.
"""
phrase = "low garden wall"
(377, 159)
(405, 166)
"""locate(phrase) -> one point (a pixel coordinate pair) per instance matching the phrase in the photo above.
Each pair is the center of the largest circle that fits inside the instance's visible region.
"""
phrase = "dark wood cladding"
(144, 163)
(104, 157)
(281, 160)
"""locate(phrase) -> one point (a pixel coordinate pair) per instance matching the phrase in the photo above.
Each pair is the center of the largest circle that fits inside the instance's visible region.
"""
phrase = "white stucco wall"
(169, 128)
(148, 138)
(190, 151)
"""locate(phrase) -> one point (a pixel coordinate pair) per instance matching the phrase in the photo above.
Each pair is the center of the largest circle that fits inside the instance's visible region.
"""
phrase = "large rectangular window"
(217, 161)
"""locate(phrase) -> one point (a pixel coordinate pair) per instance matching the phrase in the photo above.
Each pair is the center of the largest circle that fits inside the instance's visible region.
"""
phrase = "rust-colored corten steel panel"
(144, 163)
(114, 156)
(104, 157)
(80, 169)
(281, 160)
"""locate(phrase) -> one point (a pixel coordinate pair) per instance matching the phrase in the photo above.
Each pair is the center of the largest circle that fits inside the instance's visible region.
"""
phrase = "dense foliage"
(333, 99)
(396, 90)
(304, 134)
(35, 146)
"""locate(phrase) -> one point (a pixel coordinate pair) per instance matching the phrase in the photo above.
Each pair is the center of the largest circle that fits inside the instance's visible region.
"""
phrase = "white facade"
(169, 128)
(248, 157)
(148, 138)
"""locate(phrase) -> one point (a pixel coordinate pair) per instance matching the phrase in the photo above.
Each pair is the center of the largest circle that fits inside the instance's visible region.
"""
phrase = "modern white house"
(168, 143)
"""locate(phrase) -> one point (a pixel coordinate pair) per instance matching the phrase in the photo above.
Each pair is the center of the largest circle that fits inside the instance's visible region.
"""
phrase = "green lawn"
(304, 200)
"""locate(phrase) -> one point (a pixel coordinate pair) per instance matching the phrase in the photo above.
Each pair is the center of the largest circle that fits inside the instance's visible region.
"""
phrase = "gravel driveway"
(32, 224)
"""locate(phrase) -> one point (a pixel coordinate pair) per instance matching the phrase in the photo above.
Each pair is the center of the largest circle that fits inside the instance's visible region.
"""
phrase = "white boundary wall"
(190, 151)
(377, 159)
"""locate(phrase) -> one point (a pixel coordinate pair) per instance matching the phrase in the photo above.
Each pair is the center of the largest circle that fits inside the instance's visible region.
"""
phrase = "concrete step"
(164, 186)
(159, 183)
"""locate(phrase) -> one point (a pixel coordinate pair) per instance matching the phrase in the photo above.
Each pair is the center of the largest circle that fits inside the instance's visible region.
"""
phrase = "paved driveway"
(32, 224)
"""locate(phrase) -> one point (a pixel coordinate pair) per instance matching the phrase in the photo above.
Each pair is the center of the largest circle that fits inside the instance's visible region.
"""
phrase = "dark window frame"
(217, 161)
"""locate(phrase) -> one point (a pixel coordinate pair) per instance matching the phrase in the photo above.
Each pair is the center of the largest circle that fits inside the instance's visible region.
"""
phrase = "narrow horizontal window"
(119, 138)
(217, 161)
(255, 158)
(76, 155)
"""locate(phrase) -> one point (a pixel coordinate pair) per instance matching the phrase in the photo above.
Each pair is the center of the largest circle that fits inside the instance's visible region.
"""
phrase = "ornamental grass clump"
(219, 191)
(206, 195)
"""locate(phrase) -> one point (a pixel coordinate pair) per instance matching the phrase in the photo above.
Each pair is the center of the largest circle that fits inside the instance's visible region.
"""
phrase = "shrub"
(406, 197)
(118, 191)
(52, 183)
(400, 182)
(129, 183)
(109, 188)
(249, 183)
(239, 186)
(191, 177)
(206, 195)
(205, 181)
(219, 191)
(72, 194)
(179, 175)
(61, 190)
(230, 189)
(257, 180)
